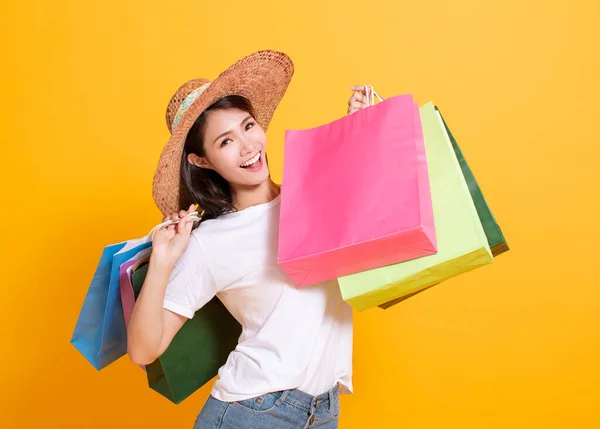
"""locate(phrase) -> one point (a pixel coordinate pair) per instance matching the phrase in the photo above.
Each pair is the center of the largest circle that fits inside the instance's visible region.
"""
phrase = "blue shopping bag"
(100, 334)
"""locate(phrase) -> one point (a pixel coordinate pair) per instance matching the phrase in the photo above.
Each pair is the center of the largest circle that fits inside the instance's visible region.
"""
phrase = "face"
(234, 146)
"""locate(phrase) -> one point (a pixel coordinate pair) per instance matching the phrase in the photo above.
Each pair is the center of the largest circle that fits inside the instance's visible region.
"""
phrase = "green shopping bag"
(462, 243)
(197, 351)
(491, 228)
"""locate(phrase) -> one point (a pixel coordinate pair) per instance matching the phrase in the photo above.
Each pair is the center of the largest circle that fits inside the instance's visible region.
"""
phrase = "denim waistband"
(308, 402)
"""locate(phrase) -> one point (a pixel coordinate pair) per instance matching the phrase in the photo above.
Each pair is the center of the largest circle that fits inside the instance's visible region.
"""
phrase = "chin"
(256, 181)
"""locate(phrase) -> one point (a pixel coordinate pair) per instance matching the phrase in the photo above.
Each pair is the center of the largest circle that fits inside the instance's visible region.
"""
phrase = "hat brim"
(262, 78)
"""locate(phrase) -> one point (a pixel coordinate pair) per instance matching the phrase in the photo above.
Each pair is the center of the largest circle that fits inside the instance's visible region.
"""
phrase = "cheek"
(262, 137)
(225, 161)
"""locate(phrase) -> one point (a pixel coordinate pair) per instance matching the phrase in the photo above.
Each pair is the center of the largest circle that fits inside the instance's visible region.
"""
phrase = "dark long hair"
(207, 187)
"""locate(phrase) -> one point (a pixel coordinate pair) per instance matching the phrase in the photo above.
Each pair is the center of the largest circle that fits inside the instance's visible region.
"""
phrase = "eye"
(225, 142)
(249, 125)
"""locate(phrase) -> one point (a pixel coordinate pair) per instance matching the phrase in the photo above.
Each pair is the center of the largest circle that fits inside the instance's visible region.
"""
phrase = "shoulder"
(208, 228)
(209, 234)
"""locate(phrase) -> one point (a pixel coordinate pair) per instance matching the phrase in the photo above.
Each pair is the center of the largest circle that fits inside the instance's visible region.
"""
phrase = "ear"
(199, 161)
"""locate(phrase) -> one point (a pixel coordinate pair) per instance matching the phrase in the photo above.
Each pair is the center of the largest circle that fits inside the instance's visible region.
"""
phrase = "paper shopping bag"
(492, 230)
(355, 194)
(462, 244)
(197, 351)
(126, 287)
(100, 334)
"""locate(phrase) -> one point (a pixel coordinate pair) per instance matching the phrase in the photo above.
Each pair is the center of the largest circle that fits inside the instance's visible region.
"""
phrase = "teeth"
(252, 161)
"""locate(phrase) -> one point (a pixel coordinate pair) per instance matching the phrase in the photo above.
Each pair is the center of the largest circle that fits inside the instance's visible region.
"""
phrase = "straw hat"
(262, 78)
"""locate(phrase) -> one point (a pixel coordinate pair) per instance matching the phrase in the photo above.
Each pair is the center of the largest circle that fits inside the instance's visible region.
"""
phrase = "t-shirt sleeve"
(191, 284)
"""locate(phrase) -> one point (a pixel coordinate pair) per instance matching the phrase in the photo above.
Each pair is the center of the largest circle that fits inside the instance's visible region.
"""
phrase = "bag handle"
(371, 94)
(190, 217)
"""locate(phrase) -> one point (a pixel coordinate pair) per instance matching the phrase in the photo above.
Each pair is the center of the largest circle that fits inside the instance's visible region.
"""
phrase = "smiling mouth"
(253, 162)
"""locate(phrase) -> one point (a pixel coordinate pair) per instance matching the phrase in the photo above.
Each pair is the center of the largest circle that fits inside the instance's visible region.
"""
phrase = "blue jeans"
(288, 409)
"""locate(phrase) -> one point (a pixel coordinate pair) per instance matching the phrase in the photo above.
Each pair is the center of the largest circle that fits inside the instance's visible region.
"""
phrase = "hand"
(170, 242)
(358, 100)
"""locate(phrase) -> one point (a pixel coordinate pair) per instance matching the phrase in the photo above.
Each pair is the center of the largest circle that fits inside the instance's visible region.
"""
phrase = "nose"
(248, 146)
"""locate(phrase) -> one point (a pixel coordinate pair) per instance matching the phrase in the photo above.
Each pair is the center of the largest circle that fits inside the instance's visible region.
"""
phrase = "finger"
(189, 225)
(182, 227)
(358, 105)
(178, 226)
(182, 213)
(354, 97)
(360, 97)
(360, 88)
(173, 217)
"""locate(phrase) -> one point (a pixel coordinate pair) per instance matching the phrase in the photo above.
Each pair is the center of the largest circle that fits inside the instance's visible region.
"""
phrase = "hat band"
(186, 103)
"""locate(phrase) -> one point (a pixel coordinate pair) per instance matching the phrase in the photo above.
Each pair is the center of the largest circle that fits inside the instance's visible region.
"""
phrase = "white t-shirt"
(291, 337)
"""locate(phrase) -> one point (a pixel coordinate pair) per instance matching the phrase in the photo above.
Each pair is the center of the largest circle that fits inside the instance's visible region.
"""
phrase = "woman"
(295, 352)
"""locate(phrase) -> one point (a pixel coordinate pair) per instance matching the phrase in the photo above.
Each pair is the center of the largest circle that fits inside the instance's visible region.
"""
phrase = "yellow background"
(84, 89)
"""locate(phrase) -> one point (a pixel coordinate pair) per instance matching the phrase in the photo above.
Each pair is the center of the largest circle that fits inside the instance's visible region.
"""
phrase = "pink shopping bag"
(125, 284)
(355, 194)
(127, 297)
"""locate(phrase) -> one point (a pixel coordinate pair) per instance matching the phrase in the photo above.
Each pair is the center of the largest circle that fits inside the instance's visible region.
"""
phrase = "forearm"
(146, 324)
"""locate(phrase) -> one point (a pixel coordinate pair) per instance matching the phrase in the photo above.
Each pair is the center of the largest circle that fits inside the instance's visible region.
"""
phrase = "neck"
(248, 196)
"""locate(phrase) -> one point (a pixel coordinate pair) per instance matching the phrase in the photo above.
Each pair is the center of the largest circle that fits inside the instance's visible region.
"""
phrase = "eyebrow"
(228, 131)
